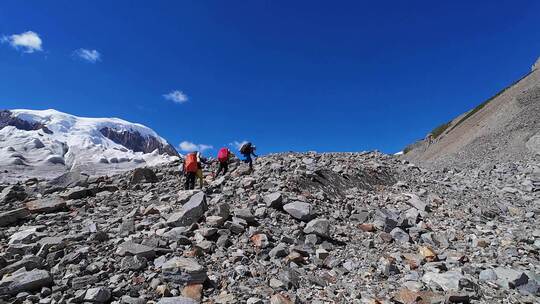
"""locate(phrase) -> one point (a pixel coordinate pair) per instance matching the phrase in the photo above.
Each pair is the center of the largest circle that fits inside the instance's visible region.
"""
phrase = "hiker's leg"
(225, 167)
(191, 180)
(187, 182)
(200, 176)
(220, 167)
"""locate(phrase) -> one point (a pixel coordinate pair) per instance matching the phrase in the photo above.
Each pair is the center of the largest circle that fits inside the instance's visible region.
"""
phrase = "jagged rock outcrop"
(138, 143)
(6, 119)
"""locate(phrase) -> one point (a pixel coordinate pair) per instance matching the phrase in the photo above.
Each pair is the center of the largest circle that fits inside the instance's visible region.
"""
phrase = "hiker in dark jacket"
(247, 150)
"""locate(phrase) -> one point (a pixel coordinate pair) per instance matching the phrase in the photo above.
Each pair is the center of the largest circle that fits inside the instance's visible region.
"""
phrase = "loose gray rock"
(130, 248)
(190, 213)
(97, 295)
(25, 281)
(46, 205)
(447, 281)
(183, 271)
(133, 263)
(320, 227)
(177, 300)
(510, 278)
(13, 216)
(299, 210)
(399, 235)
(273, 200)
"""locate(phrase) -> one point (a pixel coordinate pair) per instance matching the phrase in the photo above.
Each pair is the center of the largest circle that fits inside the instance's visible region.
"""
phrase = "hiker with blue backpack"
(247, 150)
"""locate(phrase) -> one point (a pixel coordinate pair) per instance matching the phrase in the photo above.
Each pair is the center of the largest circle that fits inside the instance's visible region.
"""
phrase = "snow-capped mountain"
(48, 143)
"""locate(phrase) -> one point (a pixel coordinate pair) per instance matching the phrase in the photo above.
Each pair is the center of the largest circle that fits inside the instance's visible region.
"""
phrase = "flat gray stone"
(399, 235)
(510, 278)
(448, 281)
(320, 227)
(97, 295)
(133, 263)
(190, 213)
(299, 210)
(183, 271)
(25, 281)
(130, 248)
(28, 262)
(273, 200)
(13, 216)
(46, 205)
(177, 300)
(487, 275)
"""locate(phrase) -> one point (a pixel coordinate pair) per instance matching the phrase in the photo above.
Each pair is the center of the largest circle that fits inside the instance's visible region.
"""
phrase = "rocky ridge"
(504, 128)
(302, 228)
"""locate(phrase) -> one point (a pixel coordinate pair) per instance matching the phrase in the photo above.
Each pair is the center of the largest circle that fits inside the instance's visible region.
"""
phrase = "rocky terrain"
(301, 228)
(504, 128)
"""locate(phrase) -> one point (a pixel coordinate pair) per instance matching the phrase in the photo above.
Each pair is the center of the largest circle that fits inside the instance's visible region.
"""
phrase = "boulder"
(190, 213)
(97, 295)
(28, 262)
(510, 278)
(25, 281)
(133, 263)
(177, 300)
(130, 248)
(76, 193)
(143, 175)
(12, 193)
(399, 235)
(299, 210)
(69, 179)
(245, 214)
(46, 205)
(415, 202)
(273, 200)
(183, 271)
(320, 227)
(12, 216)
(447, 281)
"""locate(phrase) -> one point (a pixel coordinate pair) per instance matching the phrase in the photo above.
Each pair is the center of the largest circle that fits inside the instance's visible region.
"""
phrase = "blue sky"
(287, 75)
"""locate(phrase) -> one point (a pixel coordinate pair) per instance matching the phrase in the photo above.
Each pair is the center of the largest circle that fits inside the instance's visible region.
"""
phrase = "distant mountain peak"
(48, 142)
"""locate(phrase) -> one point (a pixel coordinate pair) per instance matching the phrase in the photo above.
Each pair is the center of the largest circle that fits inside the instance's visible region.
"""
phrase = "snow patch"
(74, 142)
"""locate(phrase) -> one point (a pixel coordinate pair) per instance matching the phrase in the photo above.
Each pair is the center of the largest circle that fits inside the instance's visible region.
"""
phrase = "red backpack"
(223, 155)
(190, 163)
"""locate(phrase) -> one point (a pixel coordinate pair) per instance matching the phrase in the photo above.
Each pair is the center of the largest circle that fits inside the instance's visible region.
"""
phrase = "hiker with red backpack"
(190, 170)
(247, 150)
(224, 155)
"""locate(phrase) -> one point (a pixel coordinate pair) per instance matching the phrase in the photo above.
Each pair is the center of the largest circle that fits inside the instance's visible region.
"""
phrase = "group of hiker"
(193, 163)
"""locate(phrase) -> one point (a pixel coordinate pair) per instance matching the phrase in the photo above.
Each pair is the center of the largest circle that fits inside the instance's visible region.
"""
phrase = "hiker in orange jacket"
(190, 170)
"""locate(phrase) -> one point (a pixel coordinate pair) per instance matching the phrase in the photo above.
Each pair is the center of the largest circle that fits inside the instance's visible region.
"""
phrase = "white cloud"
(188, 146)
(92, 56)
(176, 96)
(29, 41)
(238, 144)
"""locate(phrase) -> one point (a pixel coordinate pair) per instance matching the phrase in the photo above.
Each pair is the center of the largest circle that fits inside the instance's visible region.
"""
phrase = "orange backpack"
(190, 163)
